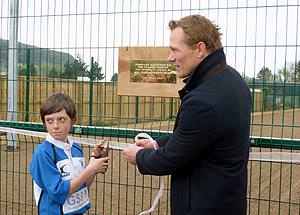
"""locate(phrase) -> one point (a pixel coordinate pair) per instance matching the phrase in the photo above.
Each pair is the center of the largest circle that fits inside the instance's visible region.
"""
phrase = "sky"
(255, 33)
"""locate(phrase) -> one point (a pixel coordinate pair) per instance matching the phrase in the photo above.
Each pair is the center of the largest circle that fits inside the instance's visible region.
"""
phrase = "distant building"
(86, 79)
(83, 78)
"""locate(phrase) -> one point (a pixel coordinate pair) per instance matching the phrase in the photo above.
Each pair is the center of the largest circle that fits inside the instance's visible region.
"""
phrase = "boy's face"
(58, 125)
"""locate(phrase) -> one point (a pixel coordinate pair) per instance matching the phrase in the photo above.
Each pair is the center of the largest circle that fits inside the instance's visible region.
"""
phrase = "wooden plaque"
(145, 71)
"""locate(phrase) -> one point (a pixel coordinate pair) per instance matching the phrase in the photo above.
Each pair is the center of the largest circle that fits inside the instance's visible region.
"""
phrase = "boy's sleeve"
(46, 175)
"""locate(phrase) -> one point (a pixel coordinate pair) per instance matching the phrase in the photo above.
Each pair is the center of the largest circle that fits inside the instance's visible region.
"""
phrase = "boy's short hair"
(57, 102)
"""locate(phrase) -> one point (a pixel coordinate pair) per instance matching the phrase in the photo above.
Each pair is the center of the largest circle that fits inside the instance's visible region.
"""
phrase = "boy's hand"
(99, 165)
(100, 151)
(99, 159)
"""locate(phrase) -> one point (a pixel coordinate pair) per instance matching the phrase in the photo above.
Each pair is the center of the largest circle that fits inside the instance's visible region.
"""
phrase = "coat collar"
(207, 65)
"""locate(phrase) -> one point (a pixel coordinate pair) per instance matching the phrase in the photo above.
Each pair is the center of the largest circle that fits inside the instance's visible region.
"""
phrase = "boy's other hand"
(98, 165)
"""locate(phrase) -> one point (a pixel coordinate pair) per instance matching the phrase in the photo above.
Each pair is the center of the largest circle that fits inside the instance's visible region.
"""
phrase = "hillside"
(38, 55)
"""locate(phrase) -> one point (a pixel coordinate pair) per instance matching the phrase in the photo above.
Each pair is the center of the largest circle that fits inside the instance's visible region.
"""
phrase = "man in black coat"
(207, 153)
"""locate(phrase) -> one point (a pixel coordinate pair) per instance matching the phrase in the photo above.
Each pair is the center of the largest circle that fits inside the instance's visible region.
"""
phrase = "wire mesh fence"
(73, 46)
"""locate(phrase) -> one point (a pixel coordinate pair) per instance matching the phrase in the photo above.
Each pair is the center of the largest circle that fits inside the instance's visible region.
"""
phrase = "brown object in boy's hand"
(100, 151)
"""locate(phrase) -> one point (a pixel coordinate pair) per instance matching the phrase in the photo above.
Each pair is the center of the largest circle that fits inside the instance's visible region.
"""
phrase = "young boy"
(60, 177)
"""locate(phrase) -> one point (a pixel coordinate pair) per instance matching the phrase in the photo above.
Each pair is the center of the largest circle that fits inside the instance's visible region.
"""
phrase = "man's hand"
(146, 143)
(130, 153)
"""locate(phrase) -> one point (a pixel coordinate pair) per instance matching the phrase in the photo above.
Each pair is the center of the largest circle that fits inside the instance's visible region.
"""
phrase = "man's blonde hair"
(197, 29)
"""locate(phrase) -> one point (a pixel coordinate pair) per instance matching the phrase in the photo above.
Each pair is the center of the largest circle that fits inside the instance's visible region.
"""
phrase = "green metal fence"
(72, 46)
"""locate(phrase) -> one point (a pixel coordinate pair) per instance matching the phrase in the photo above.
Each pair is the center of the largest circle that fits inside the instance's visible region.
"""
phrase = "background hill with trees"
(49, 63)
(37, 55)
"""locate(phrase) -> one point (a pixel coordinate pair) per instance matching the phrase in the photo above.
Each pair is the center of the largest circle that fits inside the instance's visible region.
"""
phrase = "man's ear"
(201, 50)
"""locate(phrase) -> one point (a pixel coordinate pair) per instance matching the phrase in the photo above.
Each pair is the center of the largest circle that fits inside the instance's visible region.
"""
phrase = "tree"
(68, 71)
(33, 70)
(265, 74)
(114, 78)
(295, 67)
(285, 74)
(80, 66)
(297, 71)
(53, 73)
(97, 75)
(248, 79)
(290, 72)
(22, 70)
(74, 69)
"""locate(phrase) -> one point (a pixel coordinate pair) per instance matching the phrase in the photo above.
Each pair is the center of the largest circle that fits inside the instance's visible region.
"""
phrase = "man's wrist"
(156, 144)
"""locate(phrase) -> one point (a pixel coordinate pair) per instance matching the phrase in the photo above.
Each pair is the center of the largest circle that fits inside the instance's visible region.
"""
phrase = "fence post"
(171, 108)
(91, 92)
(12, 82)
(27, 85)
(136, 109)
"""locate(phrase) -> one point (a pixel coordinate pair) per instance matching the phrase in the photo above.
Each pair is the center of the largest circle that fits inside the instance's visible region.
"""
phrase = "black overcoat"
(207, 153)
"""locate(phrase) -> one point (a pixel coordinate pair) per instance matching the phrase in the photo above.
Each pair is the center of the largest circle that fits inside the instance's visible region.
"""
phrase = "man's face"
(58, 125)
(183, 56)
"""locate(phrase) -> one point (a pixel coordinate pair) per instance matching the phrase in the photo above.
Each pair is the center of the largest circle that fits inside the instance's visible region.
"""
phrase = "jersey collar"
(60, 144)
